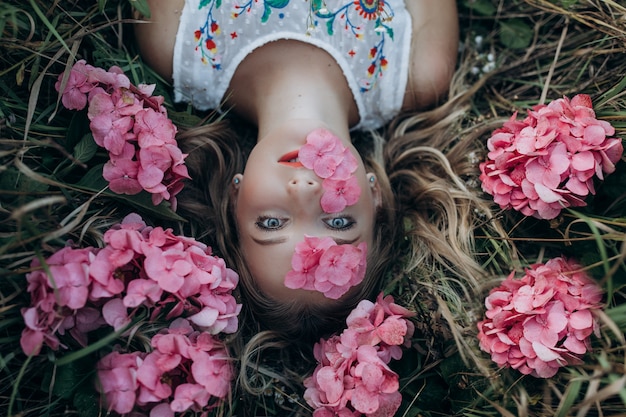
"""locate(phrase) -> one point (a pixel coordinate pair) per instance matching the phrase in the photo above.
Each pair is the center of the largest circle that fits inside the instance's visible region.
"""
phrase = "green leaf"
(204, 3)
(180, 118)
(483, 7)
(141, 6)
(390, 32)
(66, 379)
(86, 148)
(329, 26)
(515, 34)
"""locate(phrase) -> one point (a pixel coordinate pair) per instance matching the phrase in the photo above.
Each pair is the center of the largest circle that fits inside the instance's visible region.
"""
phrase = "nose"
(304, 185)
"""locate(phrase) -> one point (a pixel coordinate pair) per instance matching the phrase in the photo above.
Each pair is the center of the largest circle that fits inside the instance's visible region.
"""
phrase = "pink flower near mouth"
(322, 153)
(320, 264)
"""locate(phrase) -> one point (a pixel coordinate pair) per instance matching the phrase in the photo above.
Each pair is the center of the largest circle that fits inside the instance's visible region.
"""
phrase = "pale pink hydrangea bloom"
(542, 321)
(320, 264)
(133, 127)
(549, 160)
(330, 160)
(353, 377)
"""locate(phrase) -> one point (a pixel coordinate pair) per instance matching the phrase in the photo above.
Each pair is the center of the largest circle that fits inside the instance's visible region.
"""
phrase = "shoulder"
(434, 50)
(156, 35)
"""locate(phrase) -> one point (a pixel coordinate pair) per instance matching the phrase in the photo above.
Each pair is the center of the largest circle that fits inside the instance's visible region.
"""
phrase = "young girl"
(303, 73)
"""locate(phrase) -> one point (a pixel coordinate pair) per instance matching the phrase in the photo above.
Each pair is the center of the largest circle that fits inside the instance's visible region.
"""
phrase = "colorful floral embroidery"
(204, 36)
(352, 16)
(372, 10)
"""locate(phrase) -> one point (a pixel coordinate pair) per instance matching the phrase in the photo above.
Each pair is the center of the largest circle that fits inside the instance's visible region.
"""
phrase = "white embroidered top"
(369, 39)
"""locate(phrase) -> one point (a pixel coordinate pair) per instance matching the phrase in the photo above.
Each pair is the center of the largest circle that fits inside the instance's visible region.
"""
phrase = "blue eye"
(340, 223)
(269, 223)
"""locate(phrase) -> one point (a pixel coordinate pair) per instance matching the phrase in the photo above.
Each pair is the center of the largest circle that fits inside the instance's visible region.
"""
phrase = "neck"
(292, 80)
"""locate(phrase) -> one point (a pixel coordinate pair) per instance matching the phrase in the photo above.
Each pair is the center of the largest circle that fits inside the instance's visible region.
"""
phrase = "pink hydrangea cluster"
(132, 125)
(542, 321)
(140, 269)
(335, 164)
(320, 264)
(353, 377)
(185, 370)
(549, 160)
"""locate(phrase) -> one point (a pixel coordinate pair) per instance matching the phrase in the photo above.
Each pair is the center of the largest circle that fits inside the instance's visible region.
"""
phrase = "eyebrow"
(277, 240)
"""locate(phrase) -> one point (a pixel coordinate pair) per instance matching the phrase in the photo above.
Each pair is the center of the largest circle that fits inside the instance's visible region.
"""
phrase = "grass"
(522, 53)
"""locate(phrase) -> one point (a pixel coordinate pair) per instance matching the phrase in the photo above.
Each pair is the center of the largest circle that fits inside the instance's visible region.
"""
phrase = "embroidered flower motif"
(320, 264)
(356, 18)
(542, 321)
(204, 36)
(370, 9)
(549, 160)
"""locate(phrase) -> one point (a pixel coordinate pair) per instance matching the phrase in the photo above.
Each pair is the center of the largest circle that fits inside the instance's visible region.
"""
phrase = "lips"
(290, 159)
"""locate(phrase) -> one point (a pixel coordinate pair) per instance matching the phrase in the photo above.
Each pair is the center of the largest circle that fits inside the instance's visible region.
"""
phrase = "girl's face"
(278, 203)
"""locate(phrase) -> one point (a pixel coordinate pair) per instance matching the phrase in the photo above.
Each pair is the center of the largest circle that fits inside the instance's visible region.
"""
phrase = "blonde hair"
(215, 156)
(426, 224)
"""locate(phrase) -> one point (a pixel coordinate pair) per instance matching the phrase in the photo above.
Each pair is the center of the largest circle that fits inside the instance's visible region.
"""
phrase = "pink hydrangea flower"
(549, 160)
(542, 321)
(55, 297)
(326, 156)
(133, 127)
(139, 266)
(352, 377)
(74, 95)
(320, 264)
(339, 194)
(117, 380)
(335, 164)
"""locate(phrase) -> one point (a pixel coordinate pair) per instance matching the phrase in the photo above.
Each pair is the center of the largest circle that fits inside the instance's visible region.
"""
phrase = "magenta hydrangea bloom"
(542, 321)
(352, 377)
(550, 160)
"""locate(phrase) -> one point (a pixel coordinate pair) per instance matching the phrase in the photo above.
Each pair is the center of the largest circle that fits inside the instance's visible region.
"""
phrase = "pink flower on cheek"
(329, 159)
(339, 194)
(322, 153)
